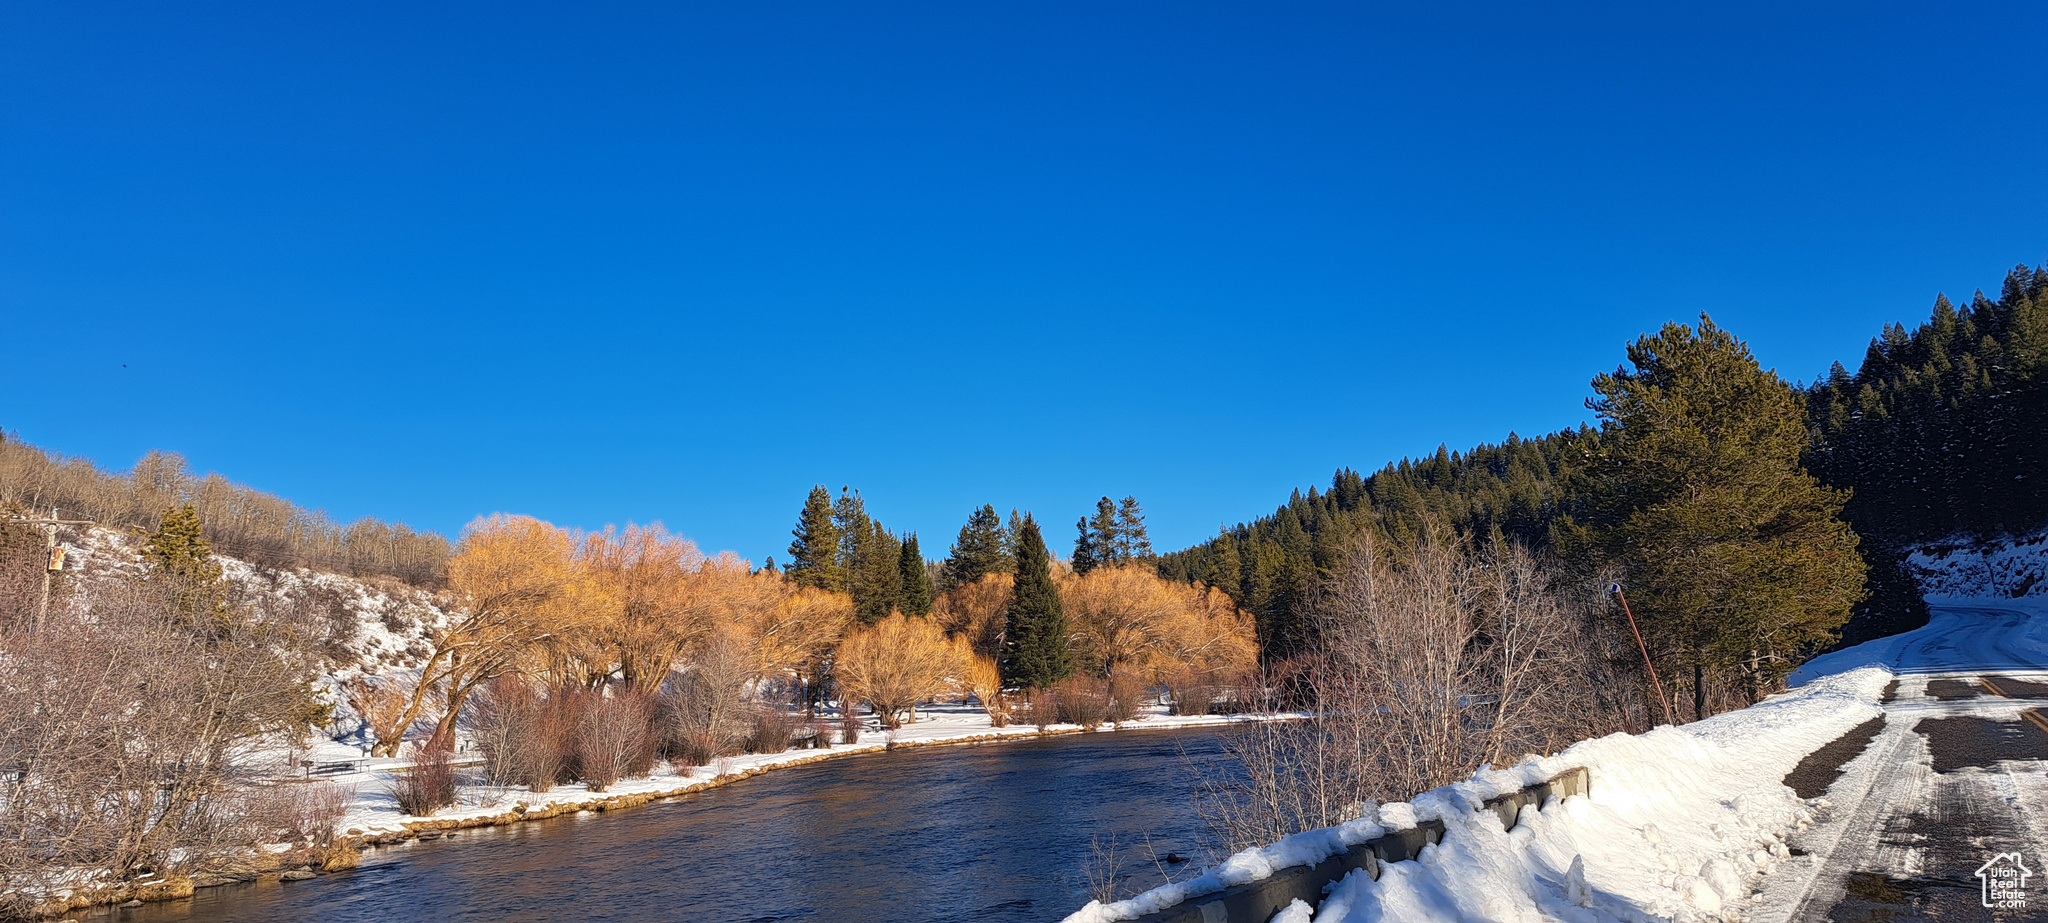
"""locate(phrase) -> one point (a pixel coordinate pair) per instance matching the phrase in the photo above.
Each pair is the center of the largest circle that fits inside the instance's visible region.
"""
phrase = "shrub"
(705, 710)
(698, 748)
(897, 663)
(1126, 696)
(1083, 700)
(429, 786)
(614, 735)
(774, 728)
(1042, 708)
(849, 723)
(1192, 692)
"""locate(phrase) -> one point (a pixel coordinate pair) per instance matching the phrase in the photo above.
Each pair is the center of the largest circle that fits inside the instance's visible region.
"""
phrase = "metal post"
(49, 546)
(1668, 719)
(51, 562)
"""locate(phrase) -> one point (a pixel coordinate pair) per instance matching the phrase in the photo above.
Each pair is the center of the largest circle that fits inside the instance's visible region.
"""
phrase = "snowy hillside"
(2005, 568)
(373, 626)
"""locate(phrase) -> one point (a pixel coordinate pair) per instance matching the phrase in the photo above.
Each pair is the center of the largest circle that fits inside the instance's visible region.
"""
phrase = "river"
(990, 832)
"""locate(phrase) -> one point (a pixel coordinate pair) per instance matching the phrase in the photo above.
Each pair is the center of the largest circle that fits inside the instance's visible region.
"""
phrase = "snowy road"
(1958, 775)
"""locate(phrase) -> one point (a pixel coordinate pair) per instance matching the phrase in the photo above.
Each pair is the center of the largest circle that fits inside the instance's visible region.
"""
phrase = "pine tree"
(814, 555)
(181, 562)
(1085, 557)
(1737, 560)
(977, 551)
(1103, 538)
(868, 556)
(850, 521)
(915, 577)
(1011, 532)
(1132, 544)
(877, 574)
(1225, 569)
(1036, 650)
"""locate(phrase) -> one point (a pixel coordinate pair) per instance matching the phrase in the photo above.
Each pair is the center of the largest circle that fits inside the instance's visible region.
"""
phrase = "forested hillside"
(1517, 486)
(1943, 430)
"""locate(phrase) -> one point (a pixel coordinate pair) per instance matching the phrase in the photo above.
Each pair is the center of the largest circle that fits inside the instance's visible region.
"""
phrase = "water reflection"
(993, 832)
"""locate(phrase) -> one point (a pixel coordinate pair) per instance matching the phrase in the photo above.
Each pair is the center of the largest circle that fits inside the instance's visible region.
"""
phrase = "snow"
(1692, 823)
(1679, 824)
(1958, 569)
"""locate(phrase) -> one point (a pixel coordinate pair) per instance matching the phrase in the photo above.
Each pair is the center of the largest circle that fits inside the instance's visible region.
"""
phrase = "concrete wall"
(1258, 901)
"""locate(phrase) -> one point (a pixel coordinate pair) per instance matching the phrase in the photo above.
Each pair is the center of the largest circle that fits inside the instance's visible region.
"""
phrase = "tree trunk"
(1699, 691)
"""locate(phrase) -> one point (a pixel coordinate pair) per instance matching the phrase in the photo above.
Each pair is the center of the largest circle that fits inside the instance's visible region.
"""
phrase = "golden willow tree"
(508, 581)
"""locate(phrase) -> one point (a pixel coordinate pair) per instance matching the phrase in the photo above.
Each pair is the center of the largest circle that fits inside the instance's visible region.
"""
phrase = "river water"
(990, 832)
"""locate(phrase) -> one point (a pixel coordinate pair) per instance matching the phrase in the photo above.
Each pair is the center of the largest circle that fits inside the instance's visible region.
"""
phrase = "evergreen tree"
(876, 569)
(814, 555)
(1103, 539)
(868, 556)
(1084, 548)
(1225, 570)
(1011, 532)
(850, 521)
(915, 577)
(1132, 544)
(1737, 560)
(181, 562)
(977, 551)
(1036, 650)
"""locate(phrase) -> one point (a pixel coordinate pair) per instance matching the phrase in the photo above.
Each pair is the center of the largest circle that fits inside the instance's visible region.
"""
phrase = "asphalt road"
(1957, 777)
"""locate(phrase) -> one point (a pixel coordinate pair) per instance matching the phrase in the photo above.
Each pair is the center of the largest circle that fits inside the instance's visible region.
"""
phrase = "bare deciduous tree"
(1438, 658)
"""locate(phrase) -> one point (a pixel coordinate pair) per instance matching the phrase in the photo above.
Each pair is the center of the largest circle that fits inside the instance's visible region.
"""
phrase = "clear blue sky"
(597, 263)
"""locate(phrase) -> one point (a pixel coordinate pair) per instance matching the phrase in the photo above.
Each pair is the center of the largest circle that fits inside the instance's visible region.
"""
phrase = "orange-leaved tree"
(505, 581)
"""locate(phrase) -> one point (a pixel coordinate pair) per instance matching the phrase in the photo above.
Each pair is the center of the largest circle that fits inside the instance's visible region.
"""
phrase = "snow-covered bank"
(1960, 569)
(1679, 824)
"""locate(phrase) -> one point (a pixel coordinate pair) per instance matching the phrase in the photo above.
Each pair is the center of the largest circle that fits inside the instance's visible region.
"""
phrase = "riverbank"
(373, 817)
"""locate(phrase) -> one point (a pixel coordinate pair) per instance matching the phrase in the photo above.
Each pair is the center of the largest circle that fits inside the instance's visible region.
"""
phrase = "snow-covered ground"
(1896, 817)
(1684, 823)
(1679, 823)
(2005, 568)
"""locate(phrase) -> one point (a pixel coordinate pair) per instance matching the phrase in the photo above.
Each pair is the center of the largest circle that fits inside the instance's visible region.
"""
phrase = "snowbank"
(1678, 824)
(1959, 569)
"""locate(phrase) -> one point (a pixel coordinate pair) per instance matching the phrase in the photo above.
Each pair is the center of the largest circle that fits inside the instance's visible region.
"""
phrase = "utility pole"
(53, 560)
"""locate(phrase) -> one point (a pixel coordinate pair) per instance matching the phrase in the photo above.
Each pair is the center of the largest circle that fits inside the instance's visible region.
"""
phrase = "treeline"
(1690, 494)
(241, 522)
(1943, 431)
(590, 656)
(1274, 563)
